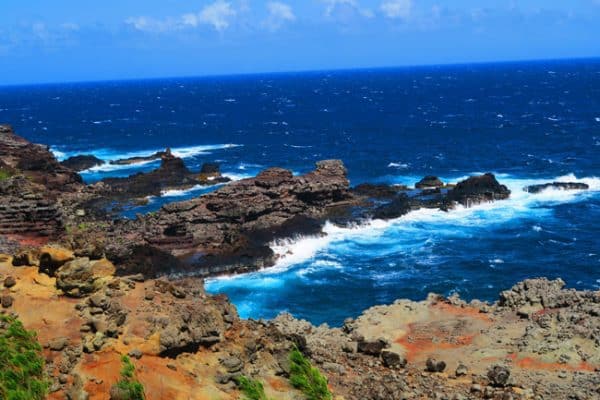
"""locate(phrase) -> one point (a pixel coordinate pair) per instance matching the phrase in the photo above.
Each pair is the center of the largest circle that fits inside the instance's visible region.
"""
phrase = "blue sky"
(60, 40)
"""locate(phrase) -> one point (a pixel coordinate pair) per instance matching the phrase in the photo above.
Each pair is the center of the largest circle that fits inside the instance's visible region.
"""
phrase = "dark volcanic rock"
(210, 169)
(478, 189)
(556, 185)
(36, 162)
(236, 222)
(379, 191)
(398, 207)
(136, 160)
(429, 182)
(171, 173)
(82, 162)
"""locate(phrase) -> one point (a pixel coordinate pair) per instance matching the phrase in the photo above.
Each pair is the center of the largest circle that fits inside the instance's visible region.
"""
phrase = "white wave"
(181, 192)
(107, 155)
(597, 119)
(520, 204)
(236, 176)
(398, 165)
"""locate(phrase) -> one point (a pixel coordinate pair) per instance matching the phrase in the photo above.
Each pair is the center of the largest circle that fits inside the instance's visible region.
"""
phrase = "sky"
(66, 40)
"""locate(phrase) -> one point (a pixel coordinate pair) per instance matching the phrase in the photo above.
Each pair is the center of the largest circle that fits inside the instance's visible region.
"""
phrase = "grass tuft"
(130, 387)
(22, 375)
(251, 388)
(308, 379)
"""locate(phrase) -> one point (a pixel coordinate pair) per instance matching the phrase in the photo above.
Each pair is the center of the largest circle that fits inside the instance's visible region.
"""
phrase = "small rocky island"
(95, 288)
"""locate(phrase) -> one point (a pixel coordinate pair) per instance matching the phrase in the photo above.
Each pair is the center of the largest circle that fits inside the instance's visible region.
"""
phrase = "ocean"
(526, 122)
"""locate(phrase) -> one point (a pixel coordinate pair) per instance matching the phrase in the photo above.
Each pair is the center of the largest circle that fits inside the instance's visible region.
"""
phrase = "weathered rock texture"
(239, 219)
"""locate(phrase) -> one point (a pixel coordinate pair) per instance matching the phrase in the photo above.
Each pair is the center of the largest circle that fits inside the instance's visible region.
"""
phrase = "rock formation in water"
(82, 162)
(556, 185)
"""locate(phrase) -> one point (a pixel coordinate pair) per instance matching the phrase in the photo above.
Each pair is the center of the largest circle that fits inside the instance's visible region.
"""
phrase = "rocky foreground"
(95, 287)
(538, 341)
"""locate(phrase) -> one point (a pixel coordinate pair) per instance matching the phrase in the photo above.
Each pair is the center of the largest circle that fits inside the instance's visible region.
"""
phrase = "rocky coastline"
(95, 287)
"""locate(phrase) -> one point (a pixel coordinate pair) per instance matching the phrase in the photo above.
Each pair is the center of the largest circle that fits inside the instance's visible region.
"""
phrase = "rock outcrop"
(36, 162)
(238, 220)
(82, 162)
(556, 185)
(172, 174)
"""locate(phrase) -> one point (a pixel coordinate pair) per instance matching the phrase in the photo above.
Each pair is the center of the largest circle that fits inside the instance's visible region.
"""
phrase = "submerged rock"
(556, 185)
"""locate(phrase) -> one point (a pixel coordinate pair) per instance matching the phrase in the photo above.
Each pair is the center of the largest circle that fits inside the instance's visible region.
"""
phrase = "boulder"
(433, 365)
(391, 359)
(76, 278)
(9, 282)
(498, 375)
(52, 258)
(371, 347)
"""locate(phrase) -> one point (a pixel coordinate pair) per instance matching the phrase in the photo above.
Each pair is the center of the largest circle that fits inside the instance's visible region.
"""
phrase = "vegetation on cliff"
(251, 388)
(308, 379)
(22, 375)
(128, 387)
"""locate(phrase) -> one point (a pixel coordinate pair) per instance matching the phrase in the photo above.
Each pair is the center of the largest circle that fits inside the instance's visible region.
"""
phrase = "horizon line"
(303, 71)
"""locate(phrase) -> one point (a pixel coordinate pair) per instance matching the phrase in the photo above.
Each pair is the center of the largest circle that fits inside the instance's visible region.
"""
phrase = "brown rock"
(6, 301)
(9, 282)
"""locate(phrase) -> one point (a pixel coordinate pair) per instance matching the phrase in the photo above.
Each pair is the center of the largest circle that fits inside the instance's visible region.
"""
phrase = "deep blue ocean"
(526, 122)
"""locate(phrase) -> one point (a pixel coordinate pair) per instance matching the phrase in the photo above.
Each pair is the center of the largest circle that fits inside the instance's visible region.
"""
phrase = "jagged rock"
(434, 365)
(398, 207)
(225, 223)
(548, 294)
(36, 162)
(76, 278)
(136, 160)
(556, 185)
(498, 375)
(82, 162)
(429, 182)
(478, 189)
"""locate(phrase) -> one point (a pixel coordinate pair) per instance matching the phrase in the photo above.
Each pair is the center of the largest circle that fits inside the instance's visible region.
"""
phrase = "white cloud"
(332, 6)
(217, 14)
(279, 13)
(396, 8)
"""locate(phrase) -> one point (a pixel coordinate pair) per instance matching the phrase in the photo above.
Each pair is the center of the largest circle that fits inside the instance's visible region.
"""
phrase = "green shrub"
(4, 174)
(308, 379)
(22, 375)
(129, 386)
(251, 388)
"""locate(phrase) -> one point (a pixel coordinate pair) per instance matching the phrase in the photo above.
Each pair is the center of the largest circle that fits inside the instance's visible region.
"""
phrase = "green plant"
(128, 384)
(4, 174)
(251, 388)
(22, 375)
(307, 378)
